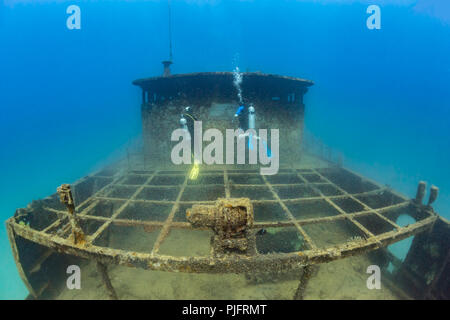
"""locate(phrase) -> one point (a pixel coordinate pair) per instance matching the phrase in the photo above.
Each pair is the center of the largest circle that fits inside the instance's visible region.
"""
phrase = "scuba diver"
(246, 120)
(242, 116)
(187, 123)
(245, 117)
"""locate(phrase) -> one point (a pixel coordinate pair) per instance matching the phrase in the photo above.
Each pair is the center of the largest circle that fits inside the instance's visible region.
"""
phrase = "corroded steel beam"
(256, 225)
(165, 229)
(226, 264)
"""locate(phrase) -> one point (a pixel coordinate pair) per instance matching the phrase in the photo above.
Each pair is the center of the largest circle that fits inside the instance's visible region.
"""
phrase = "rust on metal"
(102, 269)
(230, 219)
(65, 195)
(306, 276)
(303, 204)
(200, 75)
(234, 221)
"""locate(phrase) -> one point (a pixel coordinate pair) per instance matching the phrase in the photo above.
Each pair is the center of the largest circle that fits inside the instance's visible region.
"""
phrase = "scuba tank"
(187, 123)
(251, 125)
(183, 123)
(251, 118)
(189, 117)
(184, 126)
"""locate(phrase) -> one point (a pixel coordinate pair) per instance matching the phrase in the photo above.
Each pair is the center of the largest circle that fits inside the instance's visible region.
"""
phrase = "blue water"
(382, 97)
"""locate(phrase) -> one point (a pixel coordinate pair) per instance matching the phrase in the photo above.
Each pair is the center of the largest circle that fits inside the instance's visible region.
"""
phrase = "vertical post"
(65, 195)
(306, 275)
(166, 64)
(106, 281)
(420, 192)
(433, 195)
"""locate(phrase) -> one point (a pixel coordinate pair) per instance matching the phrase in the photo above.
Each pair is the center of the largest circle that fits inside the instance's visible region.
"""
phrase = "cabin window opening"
(291, 98)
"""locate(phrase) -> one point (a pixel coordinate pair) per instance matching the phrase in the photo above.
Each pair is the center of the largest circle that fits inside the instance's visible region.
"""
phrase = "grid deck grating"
(306, 201)
(302, 196)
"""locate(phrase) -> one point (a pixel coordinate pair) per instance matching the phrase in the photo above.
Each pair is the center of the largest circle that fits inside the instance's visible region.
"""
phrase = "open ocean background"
(382, 97)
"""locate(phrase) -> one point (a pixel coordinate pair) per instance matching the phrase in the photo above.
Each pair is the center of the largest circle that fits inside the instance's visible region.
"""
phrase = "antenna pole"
(167, 63)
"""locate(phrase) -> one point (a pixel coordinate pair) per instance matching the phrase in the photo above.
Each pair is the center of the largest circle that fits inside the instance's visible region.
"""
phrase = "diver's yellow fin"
(193, 174)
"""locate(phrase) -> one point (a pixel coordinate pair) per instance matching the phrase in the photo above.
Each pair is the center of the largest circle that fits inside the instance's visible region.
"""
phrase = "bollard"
(433, 195)
(420, 192)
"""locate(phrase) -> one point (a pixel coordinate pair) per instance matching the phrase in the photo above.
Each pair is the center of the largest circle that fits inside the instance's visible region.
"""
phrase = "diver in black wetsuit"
(242, 117)
(187, 122)
(246, 117)
(246, 120)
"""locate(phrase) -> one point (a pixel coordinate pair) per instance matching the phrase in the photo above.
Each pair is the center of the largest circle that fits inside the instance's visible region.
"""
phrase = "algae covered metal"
(373, 225)
(313, 211)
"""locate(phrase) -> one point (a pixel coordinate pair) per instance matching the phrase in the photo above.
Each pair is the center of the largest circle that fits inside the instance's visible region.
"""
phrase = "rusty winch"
(231, 220)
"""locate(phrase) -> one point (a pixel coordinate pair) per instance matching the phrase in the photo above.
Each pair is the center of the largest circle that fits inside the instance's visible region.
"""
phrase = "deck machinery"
(316, 210)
